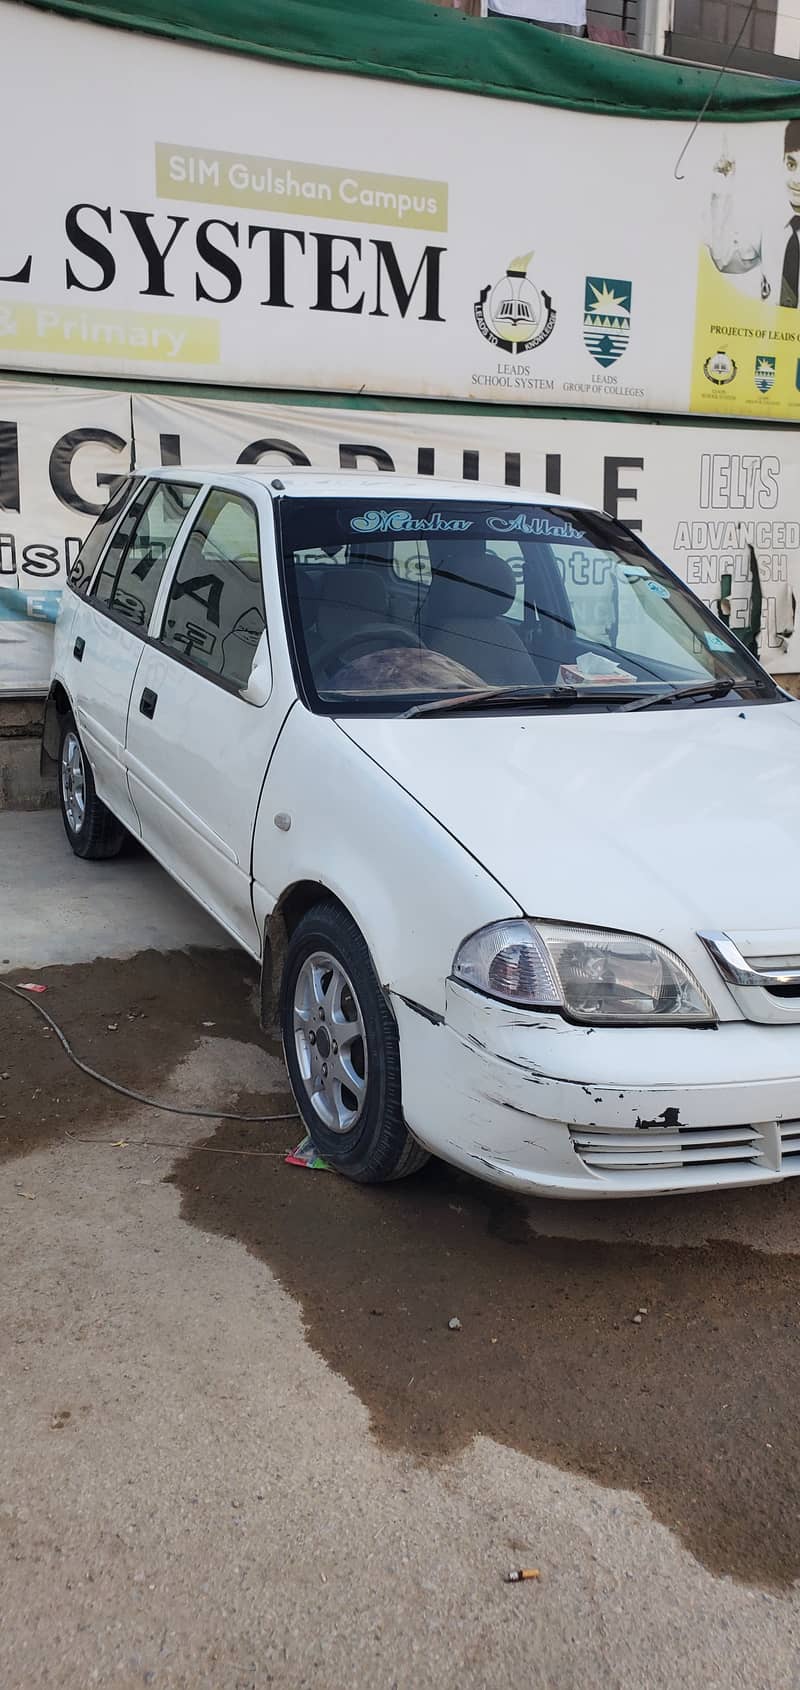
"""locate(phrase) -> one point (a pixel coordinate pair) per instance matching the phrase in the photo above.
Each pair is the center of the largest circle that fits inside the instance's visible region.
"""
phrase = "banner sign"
(722, 506)
(266, 226)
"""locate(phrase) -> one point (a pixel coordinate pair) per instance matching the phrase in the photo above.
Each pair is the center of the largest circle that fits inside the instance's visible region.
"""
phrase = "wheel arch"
(292, 905)
(57, 708)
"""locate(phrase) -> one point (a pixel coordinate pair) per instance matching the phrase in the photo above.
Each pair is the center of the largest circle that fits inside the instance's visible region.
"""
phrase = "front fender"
(412, 889)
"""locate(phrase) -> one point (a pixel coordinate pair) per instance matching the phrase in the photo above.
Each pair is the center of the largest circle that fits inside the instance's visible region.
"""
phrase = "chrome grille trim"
(739, 972)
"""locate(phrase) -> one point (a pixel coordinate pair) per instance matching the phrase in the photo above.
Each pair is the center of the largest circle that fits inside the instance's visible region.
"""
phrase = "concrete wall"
(21, 785)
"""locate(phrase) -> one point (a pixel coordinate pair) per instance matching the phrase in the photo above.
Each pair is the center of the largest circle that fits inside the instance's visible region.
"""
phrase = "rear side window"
(215, 615)
(137, 556)
(85, 563)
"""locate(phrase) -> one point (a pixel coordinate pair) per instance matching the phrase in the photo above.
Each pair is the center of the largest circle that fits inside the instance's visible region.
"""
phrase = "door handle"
(148, 702)
(79, 648)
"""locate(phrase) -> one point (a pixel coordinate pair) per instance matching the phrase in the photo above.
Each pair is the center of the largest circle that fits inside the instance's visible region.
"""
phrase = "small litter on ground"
(305, 1155)
(30, 986)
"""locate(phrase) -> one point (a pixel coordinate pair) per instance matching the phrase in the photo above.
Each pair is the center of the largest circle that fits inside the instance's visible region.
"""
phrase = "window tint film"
(135, 560)
(104, 585)
(400, 605)
(85, 563)
(143, 564)
(215, 611)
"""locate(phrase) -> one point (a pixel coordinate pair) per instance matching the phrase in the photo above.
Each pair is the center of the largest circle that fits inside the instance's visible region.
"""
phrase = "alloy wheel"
(73, 782)
(330, 1042)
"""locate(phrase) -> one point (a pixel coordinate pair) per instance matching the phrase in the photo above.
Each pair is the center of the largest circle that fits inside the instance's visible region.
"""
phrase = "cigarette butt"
(520, 1573)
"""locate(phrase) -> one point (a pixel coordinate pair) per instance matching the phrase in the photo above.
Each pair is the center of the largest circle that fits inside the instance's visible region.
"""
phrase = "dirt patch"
(133, 1020)
(695, 1407)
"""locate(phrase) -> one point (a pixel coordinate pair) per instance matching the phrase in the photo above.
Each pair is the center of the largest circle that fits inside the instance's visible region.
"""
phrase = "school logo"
(797, 375)
(606, 318)
(512, 313)
(719, 368)
(765, 374)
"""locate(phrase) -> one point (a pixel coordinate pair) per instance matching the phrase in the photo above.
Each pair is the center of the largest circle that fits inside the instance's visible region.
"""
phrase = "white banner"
(59, 450)
(187, 215)
(708, 500)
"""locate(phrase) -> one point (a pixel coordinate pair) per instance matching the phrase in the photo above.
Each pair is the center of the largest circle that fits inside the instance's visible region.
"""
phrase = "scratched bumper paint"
(513, 1096)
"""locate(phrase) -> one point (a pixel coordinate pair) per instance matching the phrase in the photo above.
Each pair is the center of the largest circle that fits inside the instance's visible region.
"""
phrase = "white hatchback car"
(508, 818)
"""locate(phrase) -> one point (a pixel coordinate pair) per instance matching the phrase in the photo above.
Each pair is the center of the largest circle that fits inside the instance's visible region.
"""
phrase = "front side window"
(214, 617)
(403, 605)
(137, 556)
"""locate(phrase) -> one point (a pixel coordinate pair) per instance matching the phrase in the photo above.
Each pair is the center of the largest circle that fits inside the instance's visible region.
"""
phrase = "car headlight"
(587, 973)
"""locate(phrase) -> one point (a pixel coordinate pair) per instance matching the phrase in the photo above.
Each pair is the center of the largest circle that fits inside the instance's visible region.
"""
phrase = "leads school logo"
(513, 314)
(720, 368)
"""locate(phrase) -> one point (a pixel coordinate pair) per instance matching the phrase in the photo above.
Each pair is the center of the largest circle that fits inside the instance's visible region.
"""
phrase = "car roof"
(353, 483)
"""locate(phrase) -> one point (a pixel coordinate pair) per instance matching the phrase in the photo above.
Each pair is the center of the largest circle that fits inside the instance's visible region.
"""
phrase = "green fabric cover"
(409, 41)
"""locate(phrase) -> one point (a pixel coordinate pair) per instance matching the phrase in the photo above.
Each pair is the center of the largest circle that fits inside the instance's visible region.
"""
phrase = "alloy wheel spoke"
(346, 1116)
(337, 985)
(347, 1075)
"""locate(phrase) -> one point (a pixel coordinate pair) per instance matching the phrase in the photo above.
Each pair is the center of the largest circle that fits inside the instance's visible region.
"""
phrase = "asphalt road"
(240, 1445)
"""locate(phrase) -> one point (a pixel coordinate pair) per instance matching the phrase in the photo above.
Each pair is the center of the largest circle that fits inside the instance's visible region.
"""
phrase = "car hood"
(655, 822)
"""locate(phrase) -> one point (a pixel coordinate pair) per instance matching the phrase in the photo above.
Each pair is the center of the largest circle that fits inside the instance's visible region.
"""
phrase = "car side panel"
(99, 683)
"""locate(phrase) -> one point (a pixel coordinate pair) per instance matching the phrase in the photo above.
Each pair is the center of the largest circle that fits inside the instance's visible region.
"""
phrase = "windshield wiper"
(702, 689)
(487, 697)
(490, 698)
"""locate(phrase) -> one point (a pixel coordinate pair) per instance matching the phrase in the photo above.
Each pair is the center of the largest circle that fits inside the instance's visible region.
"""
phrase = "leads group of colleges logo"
(517, 314)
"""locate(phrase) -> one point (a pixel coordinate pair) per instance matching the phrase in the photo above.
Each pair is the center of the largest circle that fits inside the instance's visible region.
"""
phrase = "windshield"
(428, 601)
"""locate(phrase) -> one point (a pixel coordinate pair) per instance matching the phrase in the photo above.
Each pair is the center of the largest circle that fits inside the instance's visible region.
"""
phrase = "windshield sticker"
(402, 522)
(714, 643)
(660, 591)
(522, 523)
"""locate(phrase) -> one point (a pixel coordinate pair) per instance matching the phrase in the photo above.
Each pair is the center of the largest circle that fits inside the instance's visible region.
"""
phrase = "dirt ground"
(131, 1019)
(694, 1408)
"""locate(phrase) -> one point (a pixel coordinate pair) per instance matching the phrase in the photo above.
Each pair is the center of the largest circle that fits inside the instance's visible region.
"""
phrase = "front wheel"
(91, 829)
(342, 1052)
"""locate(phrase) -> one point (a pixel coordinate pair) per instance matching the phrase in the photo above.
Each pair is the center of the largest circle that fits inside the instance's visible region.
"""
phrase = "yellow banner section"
(102, 333)
(318, 190)
(746, 359)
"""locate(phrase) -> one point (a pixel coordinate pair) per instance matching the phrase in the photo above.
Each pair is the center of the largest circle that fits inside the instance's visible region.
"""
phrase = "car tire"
(348, 1088)
(91, 829)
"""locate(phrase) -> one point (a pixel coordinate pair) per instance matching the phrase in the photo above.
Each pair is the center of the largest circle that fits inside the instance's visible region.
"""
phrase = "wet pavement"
(241, 1445)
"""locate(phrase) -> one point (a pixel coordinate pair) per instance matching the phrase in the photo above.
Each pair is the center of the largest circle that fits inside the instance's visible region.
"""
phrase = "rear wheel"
(89, 825)
(342, 1051)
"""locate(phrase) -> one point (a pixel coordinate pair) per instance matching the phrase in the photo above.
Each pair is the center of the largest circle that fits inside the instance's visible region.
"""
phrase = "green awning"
(408, 41)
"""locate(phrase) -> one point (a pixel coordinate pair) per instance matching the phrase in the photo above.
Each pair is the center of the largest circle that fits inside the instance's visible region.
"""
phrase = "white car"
(509, 819)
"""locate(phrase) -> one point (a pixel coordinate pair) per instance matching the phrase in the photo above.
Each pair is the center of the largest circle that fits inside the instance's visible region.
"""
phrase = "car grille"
(790, 1138)
(674, 1147)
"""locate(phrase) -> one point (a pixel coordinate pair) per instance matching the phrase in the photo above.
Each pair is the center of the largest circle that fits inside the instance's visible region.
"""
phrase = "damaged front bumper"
(532, 1102)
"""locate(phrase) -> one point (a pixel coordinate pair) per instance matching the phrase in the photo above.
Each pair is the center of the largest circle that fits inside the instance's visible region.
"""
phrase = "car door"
(197, 750)
(109, 628)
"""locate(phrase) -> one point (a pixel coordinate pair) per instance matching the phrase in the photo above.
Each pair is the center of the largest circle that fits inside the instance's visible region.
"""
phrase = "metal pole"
(655, 22)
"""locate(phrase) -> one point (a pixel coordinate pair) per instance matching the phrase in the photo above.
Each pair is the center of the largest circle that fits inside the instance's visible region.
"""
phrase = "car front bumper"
(530, 1101)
